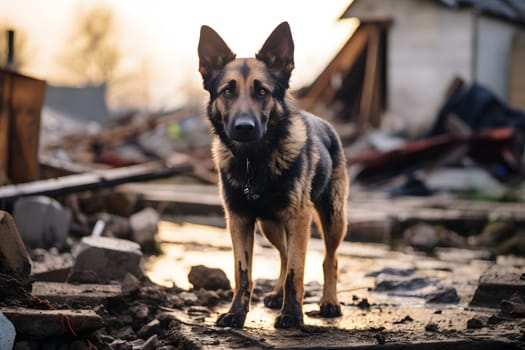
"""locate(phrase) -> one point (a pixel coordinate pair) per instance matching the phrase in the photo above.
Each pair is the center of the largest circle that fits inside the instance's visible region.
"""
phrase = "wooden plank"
(516, 83)
(94, 180)
(183, 199)
(371, 81)
(26, 104)
(5, 82)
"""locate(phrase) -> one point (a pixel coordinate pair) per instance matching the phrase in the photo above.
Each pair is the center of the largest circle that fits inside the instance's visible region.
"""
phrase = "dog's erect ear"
(214, 54)
(277, 52)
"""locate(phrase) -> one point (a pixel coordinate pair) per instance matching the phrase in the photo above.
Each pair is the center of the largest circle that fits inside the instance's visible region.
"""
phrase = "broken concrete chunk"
(513, 306)
(130, 283)
(41, 324)
(496, 284)
(42, 221)
(50, 266)
(7, 333)
(105, 259)
(82, 294)
(14, 259)
(443, 296)
(208, 278)
(144, 225)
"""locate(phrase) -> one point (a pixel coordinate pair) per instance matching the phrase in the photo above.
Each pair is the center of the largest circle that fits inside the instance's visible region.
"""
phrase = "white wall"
(428, 45)
(494, 41)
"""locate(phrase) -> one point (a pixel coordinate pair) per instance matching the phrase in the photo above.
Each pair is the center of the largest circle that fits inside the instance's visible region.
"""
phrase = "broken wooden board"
(182, 199)
(94, 180)
(84, 294)
(21, 99)
(41, 324)
(497, 284)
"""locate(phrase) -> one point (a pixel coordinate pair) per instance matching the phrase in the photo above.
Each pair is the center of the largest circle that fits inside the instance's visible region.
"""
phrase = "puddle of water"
(186, 245)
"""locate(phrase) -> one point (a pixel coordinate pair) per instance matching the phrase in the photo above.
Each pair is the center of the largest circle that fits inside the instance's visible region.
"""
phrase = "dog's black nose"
(244, 124)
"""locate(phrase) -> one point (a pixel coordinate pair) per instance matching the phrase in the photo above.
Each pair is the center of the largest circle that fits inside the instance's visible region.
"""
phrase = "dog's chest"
(253, 189)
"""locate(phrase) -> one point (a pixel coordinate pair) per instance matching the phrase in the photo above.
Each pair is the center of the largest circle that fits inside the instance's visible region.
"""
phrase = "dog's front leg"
(242, 234)
(298, 233)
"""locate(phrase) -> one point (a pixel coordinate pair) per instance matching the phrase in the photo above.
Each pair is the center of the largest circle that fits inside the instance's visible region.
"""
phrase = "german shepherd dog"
(276, 164)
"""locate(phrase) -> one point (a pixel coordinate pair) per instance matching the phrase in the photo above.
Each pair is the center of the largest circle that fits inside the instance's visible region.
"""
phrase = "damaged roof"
(510, 10)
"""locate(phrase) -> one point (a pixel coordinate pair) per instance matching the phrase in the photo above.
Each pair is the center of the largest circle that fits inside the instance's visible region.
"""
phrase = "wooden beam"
(21, 103)
(94, 180)
(321, 88)
(370, 81)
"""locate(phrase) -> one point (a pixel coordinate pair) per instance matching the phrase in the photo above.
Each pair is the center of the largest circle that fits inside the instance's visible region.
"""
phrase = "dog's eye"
(227, 92)
(262, 92)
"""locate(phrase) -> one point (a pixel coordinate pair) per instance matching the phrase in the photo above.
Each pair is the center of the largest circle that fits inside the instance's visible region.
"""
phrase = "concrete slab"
(41, 324)
(83, 294)
(105, 259)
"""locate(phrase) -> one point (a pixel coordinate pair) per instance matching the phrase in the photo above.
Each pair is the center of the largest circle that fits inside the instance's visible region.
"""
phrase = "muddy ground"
(391, 300)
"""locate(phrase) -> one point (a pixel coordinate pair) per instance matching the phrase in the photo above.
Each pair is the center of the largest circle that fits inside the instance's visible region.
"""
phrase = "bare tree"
(21, 57)
(92, 54)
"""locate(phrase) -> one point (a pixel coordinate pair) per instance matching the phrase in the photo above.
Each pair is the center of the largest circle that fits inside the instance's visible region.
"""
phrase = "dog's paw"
(273, 301)
(289, 321)
(330, 310)
(229, 319)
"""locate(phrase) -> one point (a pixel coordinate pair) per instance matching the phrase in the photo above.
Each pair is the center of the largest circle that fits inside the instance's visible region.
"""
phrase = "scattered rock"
(140, 311)
(189, 298)
(380, 339)
(405, 319)
(14, 260)
(387, 283)
(104, 259)
(144, 226)
(513, 306)
(431, 327)
(42, 222)
(50, 265)
(474, 323)
(496, 284)
(119, 344)
(208, 298)
(445, 296)
(7, 333)
(150, 344)
(391, 271)
(130, 283)
(149, 329)
(208, 278)
(363, 304)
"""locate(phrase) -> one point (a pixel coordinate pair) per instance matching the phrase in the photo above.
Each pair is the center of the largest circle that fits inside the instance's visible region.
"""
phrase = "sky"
(158, 38)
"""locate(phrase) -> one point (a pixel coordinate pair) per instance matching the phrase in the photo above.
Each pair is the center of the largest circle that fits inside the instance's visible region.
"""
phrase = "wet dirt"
(371, 319)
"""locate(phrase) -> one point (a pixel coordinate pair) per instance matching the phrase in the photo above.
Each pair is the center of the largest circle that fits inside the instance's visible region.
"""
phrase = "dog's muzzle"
(245, 128)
